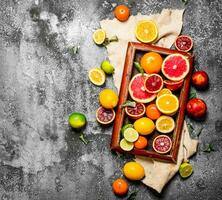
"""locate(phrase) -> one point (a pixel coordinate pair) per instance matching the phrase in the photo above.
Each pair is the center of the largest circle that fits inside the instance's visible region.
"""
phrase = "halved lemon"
(97, 76)
(125, 145)
(185, 170)
(165, 124)
(167, 104)
(99, 36)
(146, 31)
(131, 135)
(163, 91)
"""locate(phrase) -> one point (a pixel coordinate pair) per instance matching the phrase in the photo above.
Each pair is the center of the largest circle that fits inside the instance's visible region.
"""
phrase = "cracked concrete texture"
(41, 83)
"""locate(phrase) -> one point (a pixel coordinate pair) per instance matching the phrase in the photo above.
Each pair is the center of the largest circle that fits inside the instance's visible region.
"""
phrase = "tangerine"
(120, 186)
(122, 13)
(152, 112)
(141, 143)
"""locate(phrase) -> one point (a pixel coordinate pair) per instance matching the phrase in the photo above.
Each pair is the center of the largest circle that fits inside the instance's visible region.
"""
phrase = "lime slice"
(131, 135)
(125, 127)
(185, 170)
(125, 145)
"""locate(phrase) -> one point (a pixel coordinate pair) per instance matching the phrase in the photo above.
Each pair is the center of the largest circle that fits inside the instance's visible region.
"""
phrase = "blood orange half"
(173, 85)
(184, 43)
(162, 144)
(135, 112)
(137, 90)
(153, 83)
(175, 67)
(105, 116)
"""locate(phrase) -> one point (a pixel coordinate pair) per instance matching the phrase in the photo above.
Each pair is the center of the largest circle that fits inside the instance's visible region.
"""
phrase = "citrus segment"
(99, 36)
(185, 170)
(173, 85)
(144, 126)
(125, 145)
(133, 171)
(163, 91)
(165, 124)
(97, 76)
(130, 134)
(135, 112)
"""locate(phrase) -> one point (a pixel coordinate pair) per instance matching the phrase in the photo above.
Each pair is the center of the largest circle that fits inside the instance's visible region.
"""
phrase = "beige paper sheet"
(169, 23)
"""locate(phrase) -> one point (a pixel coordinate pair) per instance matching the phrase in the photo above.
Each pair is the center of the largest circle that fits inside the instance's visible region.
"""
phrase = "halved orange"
(163, 91)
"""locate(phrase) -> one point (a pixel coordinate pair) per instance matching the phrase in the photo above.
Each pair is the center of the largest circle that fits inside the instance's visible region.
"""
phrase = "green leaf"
(74, 50)
(185, 2)
(138, 67)
(83, 139)
(194, 133)
(132, 196)
(208, 148)
(193, 93)
(129, 104)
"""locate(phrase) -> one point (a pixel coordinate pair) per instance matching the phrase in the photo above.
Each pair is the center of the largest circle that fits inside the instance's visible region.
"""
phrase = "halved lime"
(125, 127)
(185, 170)
(131, 135)
(125, 145)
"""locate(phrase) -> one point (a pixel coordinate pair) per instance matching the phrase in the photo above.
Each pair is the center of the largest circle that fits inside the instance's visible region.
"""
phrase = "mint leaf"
(194, 133)
(129, 104)
(192, 94)
(132, 196)
(108, 41)
(208, 148)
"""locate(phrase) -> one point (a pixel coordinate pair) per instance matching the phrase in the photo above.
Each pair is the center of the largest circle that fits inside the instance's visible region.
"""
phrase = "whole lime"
(77, 120)
(107, 67)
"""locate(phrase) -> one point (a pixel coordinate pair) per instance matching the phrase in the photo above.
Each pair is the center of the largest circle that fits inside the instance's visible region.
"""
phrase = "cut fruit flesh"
(173, 85)
(99, 36)
(136, 112)
(97, 76)
(163, 91)
(137, 90)
(175, 67)
(105, 116)
(165, 124)
(184, 43)
(153, 83)
(125, 145)
(131, 135)
(125, 127)
(185, 170)
(162, 144)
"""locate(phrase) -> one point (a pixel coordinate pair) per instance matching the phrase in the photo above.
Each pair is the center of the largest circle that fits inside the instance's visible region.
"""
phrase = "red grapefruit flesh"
(184, 43)
(137, 90)
(153, 83)
(135, 112)
(175, 67)
(105, 116)
(162, 144)
(173, 85)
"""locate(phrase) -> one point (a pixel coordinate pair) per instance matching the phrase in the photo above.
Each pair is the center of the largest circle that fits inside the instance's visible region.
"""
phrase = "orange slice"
(163, 91)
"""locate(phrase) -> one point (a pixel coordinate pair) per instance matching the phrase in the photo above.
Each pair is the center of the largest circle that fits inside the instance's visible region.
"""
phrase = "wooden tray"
(132, 50)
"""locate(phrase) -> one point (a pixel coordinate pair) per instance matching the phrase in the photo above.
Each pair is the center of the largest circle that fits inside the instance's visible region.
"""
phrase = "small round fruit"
(125, 145)
(120, 187)
(135, 112)
(165, 124)
(108, 98)
(144, 126)
(146, 31)
(97, 76)
(184, 43)
(173, 85)
(133, 171)
(185, 170)
(105, 116)
(107, 67)
(151, 62)
(141, 143)
(175, 67)
(77, 120)
(153, 83)
(196, 108)
(152, 111)
(130, 134)
(122, 13)
(162, 144)
(164, 91)
(99, 36)
(200, 79)
(125, 127)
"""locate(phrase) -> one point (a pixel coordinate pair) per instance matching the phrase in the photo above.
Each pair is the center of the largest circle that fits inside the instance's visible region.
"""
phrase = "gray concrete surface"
(41, 83)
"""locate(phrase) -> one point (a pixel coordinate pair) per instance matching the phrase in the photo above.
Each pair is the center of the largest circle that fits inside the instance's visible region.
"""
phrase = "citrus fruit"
(164, 91)
(175, 67)
(108, 98)
(144, 126)
(165, 124)
(125, 127)
(131, 135)
(153, 83)
(120, 187)
(97, 76)
(122, 13)
(107, 67)
(173, 85)
(135, 112)
(99, 36)
(77, 120)
(146, 31)
(141, 143)
(137, 90)
(151, 62)
(162, 144)
(133, 171)
(152, 112)
(167, 104)
(105, 116)
(125, 145)
(185, 170)
(184, 43)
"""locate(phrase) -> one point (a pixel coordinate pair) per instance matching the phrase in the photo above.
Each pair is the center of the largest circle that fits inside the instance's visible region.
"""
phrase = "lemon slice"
(99, 36)
(185, 170)
(97, 76)
(125, 145)
(165, 124)
(131, 135)
(146, 31)
(164, 91)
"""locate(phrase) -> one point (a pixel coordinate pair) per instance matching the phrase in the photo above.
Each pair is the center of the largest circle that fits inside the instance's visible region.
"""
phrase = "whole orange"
(122, 13)
(151, 62)
(152, 112)
(141, 143)
(120, 187)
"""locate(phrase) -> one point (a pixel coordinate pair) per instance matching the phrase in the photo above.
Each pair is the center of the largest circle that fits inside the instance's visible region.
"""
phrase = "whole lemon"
(108, 98)
(144, 126)
(133, 171)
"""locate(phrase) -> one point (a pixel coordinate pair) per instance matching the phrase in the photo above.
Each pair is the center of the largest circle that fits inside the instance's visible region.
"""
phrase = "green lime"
(77, 120)
(125, 127)
(107, 67)
(185, 170)
(131, 135)
(125, 145)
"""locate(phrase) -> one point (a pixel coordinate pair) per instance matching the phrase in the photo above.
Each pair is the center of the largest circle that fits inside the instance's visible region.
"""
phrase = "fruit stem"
(83, 139)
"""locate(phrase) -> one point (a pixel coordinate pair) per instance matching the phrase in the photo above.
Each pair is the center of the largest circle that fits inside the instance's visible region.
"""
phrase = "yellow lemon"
(144, 126)
(97, 76)
(108, 98)
(133, 171)
(99, 36)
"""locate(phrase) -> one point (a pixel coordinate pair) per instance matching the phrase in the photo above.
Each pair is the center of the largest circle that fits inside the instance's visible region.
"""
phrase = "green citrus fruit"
(125, 145)
(107, 67)
(185, 170)
(77, 120)
(125, 127)
(131, 135)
